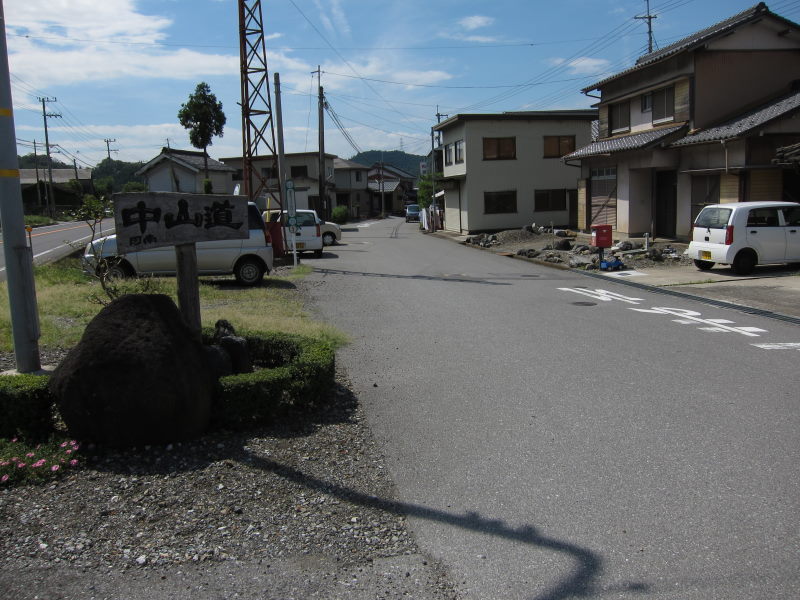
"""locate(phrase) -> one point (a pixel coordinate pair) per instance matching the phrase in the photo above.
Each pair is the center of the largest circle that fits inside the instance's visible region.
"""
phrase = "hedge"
(291, 372)
(25, 406)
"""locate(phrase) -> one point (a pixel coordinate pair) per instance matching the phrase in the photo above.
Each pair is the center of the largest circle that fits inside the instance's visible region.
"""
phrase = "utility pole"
(51, 199)
(108, 147)
(323, 198)
(18, 255)
(36, 166)
(649, 18)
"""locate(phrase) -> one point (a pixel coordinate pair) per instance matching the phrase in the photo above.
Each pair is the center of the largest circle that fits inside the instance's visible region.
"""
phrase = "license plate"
(705, 254)
(301, 245)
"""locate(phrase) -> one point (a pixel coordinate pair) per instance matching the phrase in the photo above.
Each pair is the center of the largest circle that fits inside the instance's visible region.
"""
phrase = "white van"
(746, 234)
(308, 235)
(247, 259)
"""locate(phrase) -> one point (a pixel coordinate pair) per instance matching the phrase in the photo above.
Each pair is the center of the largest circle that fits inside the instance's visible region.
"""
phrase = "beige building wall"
(766, 185)
(728, 188)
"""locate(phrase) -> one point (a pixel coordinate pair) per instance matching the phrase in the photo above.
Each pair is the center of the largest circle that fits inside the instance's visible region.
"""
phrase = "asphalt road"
(53, 242)
(550, 440)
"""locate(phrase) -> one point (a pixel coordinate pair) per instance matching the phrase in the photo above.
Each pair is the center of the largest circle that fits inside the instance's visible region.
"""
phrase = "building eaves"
(696, 40)
(588, 114)
(787, 155)
(635, 141)
(745, 123)
(341, 163)
(28, 176)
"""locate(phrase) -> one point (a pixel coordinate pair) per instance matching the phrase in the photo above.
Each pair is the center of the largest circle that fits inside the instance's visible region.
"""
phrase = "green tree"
(134, 186)
(202, 115)
(425, 189)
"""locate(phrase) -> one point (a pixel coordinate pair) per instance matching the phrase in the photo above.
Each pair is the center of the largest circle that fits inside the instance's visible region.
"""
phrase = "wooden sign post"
(154, 219)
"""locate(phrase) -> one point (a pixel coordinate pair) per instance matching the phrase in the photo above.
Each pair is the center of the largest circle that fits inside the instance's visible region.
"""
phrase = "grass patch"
(68, 299)
(39, 220)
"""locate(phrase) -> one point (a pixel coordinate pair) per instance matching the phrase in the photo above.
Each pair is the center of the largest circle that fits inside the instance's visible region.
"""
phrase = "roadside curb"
(642, 286)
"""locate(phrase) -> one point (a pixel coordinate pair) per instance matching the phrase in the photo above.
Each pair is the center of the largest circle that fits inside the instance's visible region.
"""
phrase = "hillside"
(401, 160)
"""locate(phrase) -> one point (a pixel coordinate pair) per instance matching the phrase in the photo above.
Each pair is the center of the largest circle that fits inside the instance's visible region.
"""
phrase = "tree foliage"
(425, 189)
(202, 115)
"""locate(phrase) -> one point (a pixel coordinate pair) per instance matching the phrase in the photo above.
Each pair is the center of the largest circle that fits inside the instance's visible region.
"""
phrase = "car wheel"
(248, 271)
(745, 262)
(318, 253)
(703, 265)
(113, 269)
(328, 239)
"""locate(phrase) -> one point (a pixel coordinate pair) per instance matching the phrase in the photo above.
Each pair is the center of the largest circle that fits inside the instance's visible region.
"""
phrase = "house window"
(504, 148)
(358, 175)
(459, 151)
(550, 200)
(664, 105)
(500, 202)
(448, 154)
(620, 116)
(556, 146)
(269, 172)
(239, 175)
(647, 102)
(299, 172)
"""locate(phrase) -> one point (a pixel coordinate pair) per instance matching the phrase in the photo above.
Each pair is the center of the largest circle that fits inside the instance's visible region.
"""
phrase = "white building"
(503, 171)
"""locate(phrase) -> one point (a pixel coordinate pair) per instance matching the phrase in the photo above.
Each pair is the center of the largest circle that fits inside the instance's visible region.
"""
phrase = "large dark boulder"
(138, 376)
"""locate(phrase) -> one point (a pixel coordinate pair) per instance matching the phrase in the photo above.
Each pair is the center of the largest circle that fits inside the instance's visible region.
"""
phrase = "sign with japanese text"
(153, 219)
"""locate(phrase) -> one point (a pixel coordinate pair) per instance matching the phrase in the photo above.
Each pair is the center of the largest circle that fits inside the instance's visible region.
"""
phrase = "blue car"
(412, 213)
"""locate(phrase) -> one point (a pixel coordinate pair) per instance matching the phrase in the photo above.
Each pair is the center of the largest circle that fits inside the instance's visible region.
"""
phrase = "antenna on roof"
(649, 18)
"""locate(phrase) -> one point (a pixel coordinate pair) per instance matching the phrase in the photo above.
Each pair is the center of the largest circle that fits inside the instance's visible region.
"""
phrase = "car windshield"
(412, 208)
(713, 217)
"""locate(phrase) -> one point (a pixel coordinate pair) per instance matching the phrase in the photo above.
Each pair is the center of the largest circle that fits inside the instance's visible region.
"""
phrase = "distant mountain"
(396, 158)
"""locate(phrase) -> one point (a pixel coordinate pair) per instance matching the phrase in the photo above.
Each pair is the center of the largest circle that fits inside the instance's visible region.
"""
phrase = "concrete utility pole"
(36, 166)
(18, 255)
(51, 202)
(322, 196)
(108, 147)
(649, 18)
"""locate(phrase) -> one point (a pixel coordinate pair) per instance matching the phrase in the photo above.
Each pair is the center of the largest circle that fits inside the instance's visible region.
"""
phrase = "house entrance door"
(666, 203)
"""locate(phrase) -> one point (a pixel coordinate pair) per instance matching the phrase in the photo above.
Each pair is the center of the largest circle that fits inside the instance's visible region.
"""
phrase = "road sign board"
(291, 206)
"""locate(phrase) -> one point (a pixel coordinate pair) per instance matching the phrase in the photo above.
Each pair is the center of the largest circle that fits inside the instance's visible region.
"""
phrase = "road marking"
(692, 317)
(624, 274)
(779, 346)
(604, 295)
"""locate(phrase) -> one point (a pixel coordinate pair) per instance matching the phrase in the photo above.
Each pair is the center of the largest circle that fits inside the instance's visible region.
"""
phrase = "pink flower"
(38, 463)
(20, 465)
(4, 463)
(73, 442)
(30, 455)
(55, 468)
(63, 444)
(14, 439)
(69, 451)
(73, 462)
(4, 478)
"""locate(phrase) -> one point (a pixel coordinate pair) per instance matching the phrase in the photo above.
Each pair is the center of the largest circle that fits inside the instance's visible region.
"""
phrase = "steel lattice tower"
(258, 133)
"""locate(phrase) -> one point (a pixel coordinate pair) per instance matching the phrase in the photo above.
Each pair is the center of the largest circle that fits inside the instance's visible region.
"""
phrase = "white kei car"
(746, 234)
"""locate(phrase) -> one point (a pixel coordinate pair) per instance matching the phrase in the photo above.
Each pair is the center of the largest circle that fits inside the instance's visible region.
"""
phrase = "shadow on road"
(454, 279)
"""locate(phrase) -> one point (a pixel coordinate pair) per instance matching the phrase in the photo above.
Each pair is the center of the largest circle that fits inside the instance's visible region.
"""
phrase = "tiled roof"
(340, 163)
(388, 186)
(188, 158)
(28, 176)
(697, 39)
(744, 123)
(787, 155)
(635, 141)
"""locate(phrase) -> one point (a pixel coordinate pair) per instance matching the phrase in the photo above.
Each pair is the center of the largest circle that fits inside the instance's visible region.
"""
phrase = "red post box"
(601, 236)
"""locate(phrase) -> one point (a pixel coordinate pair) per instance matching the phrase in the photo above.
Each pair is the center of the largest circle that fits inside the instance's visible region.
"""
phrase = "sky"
(120, 69)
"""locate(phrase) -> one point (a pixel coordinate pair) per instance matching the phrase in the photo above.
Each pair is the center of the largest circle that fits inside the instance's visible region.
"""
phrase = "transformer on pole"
(258, 133)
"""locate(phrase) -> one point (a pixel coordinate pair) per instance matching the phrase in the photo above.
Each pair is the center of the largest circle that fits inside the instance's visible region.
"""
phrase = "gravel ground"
(516, 240)
(302, 509)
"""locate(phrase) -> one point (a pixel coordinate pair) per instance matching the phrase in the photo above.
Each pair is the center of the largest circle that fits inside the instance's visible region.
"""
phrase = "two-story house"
(351, 186)
(302, 168)
(184, 171)
(503, 171)
(390, 187)
(695, 123)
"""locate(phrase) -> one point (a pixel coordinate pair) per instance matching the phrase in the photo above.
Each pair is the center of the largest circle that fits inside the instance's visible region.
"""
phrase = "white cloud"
(475, 22)
(337, 22)
(583, 65)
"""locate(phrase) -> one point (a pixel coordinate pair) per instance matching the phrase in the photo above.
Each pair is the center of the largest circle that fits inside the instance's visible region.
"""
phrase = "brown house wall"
(720, 88)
